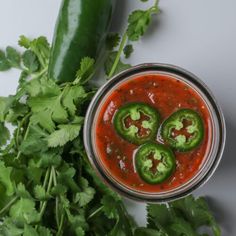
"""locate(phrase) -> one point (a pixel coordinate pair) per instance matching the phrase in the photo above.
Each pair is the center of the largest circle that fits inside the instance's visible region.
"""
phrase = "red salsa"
(167, 95)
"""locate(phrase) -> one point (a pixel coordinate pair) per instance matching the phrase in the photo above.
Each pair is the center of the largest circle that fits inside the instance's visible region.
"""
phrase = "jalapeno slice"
(154, 163)
(137, 122)
(183, 130)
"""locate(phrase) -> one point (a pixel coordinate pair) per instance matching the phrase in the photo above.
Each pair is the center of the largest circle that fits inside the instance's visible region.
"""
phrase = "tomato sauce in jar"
(167, 94)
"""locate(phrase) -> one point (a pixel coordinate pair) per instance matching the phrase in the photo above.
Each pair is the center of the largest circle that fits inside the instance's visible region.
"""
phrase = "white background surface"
(198, 35)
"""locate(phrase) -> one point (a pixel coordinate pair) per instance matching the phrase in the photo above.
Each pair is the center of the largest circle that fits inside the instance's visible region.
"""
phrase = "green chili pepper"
(80, 32)
(137, 122)
(154, 162)
(183, 130)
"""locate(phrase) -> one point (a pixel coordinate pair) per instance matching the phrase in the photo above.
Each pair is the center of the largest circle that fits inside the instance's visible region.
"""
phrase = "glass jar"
(218, 135)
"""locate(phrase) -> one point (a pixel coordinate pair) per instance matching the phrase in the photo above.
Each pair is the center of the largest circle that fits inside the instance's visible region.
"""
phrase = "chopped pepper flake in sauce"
(167, 94)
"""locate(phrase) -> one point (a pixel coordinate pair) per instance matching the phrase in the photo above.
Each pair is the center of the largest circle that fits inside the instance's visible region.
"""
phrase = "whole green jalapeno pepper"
(81, 29)
(137, 122)
(183, 130)
(154, 162)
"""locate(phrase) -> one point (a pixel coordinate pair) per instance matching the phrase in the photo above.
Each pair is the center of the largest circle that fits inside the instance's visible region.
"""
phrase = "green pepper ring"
(164, 168)
(130, 134)
(174, 121)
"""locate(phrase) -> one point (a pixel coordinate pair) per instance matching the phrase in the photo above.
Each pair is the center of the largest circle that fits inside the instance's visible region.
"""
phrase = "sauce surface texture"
(167, 94)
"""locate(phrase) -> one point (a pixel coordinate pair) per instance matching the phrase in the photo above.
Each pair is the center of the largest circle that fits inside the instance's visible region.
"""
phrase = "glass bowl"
(210, 162)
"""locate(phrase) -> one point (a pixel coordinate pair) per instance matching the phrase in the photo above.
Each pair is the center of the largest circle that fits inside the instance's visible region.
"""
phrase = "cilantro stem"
(43, 207)
(20, 125)
(122, 44)
(59, 232)
(46, 178)
(40, 73)
(54, 176)
(95, 212)
(18, 155)
(45, 183)
(57, 213)
(50, 180)
(25, 136)
(154, 9)
(9, 204)
(18, 134)
(57, 200)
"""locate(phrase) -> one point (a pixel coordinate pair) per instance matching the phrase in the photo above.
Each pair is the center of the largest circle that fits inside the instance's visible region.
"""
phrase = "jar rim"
(210, 165)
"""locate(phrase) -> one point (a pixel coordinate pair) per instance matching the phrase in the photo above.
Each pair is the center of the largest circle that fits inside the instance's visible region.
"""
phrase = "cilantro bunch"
(184, 217)
(47, 186)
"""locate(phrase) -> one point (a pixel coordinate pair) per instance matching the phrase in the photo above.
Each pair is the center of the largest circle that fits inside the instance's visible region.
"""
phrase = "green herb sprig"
(138, 23)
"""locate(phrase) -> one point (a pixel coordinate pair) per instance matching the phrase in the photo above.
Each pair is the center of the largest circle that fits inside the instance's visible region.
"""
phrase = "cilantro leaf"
(5, 178)
(139, 21)
(30, 231)
(141, 231)
(159, 216)
(78, 223)
(13, 57)
(112, 41)
(4, 63)
(3, 108)
(128, 50)
(44, 120)
(23, 211)
(36, 141)
(79, 231)
(124, 224)
(110, 61)
(65, 133)
(180, 227)
(4, 134)
(44, 231)
(9, 228)
(87, 193)
(181, 217)
(30, 61)
(85, 196)
(39, 46)
(40, 193)
(86, 70)
(4, 199)
(34, 173)
(22, 192)
(17, 112)
(72, 96)
(52, 105)
(5, 105)
(24, 42)
(66, 178)
(42, 87)
(49, 159)
(110, 207)
(58, 190)
(197, 212)
(36, 231)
